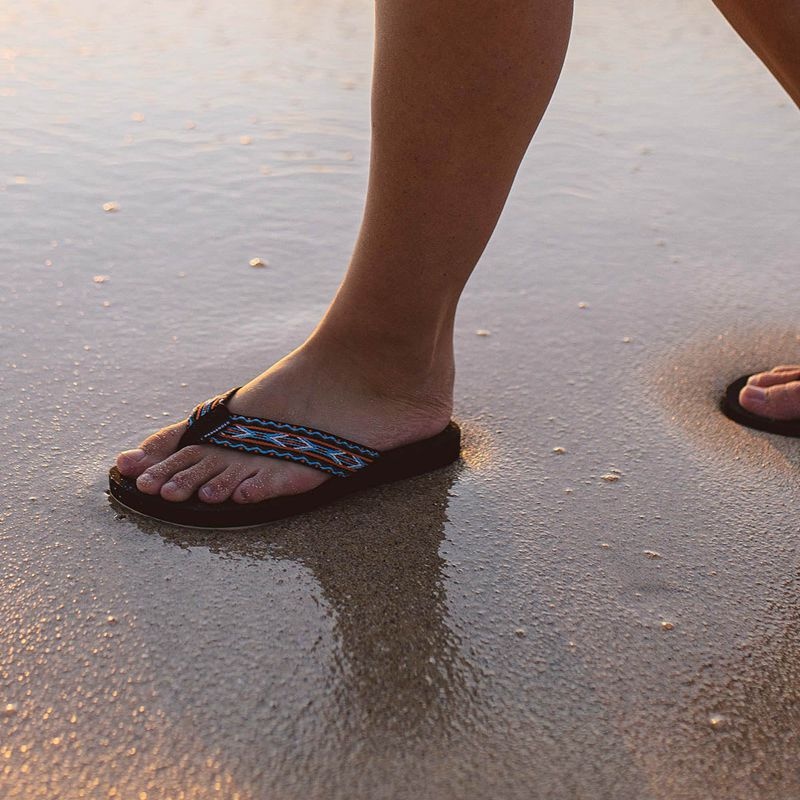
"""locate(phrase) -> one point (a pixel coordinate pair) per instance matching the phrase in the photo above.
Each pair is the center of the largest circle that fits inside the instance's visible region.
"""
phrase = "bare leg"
(459, 88)
(772, 29)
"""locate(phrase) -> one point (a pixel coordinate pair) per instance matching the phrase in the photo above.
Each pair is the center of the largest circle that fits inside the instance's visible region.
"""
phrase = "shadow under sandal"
(733, 409)
(353, 466)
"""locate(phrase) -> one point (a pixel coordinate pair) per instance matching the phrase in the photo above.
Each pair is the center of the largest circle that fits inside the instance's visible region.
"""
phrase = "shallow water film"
(600, 601)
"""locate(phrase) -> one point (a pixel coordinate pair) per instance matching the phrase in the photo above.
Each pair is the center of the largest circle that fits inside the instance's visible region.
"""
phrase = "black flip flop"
(353, 467)
(732, 409)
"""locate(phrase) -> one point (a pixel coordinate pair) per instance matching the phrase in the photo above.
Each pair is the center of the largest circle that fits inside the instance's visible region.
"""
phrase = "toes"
(222, 486)
(156, 475)
(255, 488)
(775, 376)
(152, 450)
(128, 461)
(787, 368)
(182, 485)
(777, 401)
(164, 442)
(276, 482)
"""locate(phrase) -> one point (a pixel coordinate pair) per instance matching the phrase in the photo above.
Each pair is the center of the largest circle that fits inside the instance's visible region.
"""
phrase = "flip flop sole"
(393, 465)
(731, 408)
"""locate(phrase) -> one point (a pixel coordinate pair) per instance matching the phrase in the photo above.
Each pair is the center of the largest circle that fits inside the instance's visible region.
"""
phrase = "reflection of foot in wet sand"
(774, 394)
(398, 669)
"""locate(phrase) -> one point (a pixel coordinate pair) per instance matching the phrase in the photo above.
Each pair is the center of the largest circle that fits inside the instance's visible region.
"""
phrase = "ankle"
(390, 362)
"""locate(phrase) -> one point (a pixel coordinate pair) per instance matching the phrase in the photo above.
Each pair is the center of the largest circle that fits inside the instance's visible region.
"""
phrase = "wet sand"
(513, 627)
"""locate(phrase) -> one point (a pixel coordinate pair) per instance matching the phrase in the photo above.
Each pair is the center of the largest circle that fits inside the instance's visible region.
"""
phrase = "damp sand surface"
(600, 602)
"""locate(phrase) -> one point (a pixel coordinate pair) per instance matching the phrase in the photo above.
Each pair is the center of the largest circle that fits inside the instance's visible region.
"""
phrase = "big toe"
(780, 401)
(155, 448)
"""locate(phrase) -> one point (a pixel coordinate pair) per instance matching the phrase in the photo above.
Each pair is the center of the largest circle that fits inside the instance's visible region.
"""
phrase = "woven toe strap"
(213, 423)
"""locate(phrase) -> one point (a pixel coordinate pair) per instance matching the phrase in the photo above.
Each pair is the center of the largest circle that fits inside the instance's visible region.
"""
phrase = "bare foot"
(311, 387)
(774, 394)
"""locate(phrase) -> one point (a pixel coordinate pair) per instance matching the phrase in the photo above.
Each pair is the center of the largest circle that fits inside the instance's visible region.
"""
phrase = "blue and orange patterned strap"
(212, 423)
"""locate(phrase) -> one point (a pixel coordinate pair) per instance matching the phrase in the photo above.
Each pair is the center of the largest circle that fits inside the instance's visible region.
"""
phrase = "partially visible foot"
(774, 394)
(329, 390)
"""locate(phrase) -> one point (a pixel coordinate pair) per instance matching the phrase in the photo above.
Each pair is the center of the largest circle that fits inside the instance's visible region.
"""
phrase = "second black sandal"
(734, 410)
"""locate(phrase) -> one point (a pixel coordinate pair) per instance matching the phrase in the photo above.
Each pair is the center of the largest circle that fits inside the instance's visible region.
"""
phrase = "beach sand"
(618, 620)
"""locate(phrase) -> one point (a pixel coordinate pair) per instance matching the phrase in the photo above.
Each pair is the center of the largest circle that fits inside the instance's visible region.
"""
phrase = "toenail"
(169, 486)
(134, 455)
(754, 393)
(145, 477)
(205, 491)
